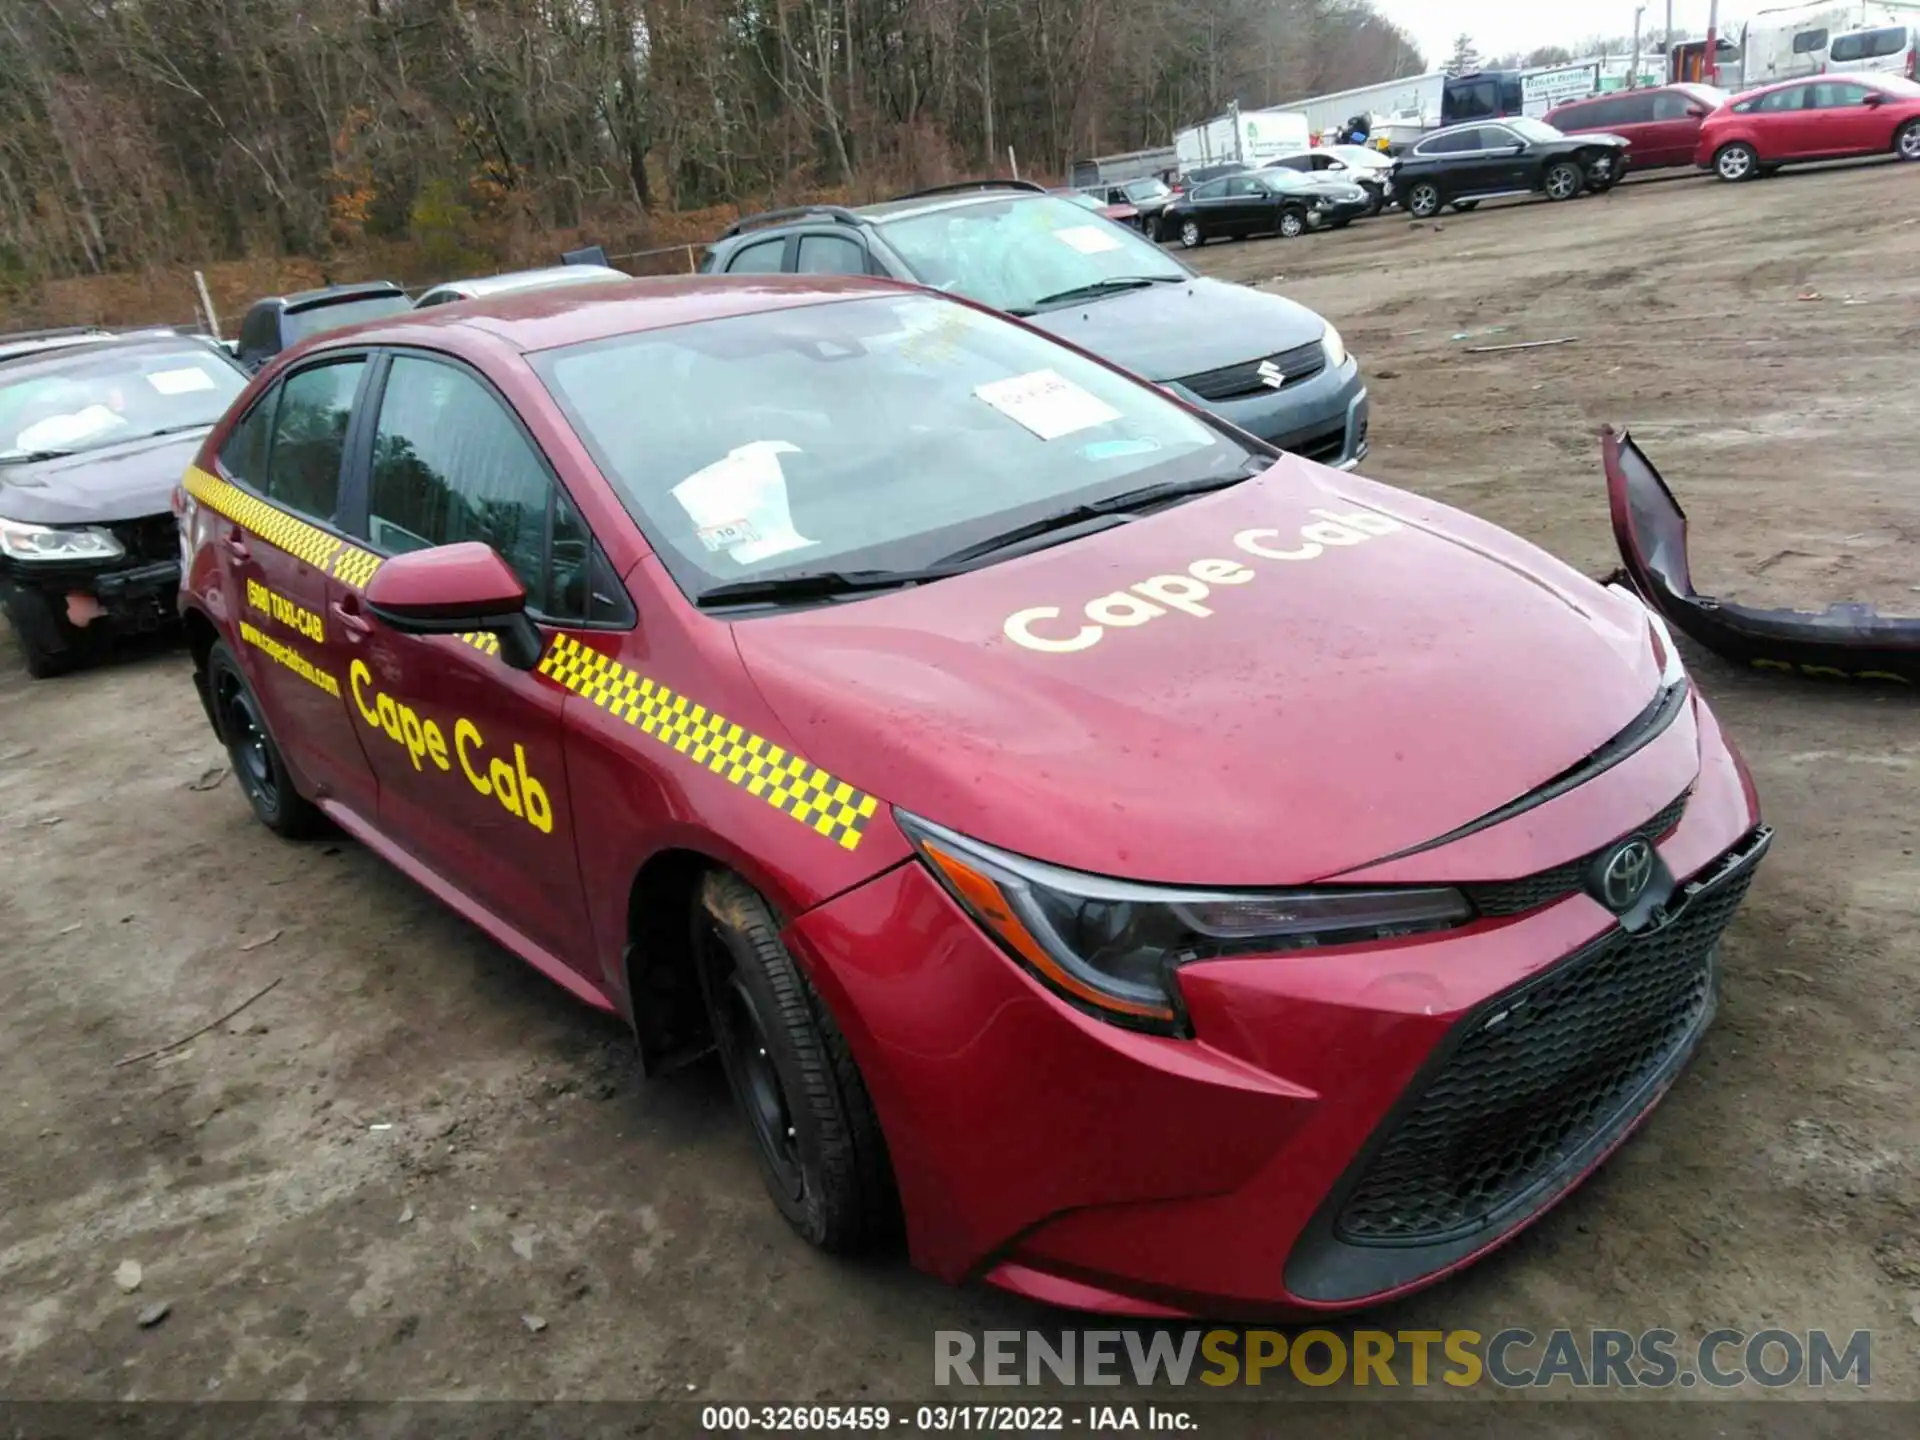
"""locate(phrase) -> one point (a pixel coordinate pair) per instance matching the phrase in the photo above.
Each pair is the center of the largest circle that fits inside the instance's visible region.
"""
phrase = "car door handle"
(347, 612)
(236, 543)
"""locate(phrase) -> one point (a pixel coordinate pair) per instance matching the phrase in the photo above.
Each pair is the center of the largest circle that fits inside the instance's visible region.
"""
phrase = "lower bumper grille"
(1326, 448)
(1541, 1077)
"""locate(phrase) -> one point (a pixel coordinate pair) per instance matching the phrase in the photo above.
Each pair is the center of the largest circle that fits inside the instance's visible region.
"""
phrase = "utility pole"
(1666, 49)
(1712, 77)
(1633, 61)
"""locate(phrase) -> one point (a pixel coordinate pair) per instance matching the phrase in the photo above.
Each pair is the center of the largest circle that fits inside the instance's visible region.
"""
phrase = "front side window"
(876, 434)
(1780, 101)
(763, 258)
(96, 397)
(449, 464)
(310, 437)
(1835, 95)
(831, 255)
(1017, 254)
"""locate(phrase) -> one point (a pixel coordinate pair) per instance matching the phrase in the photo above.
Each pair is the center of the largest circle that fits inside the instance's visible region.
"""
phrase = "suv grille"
(1236, 382)
(1499, 898)
(1549, 1068)
(157, 537)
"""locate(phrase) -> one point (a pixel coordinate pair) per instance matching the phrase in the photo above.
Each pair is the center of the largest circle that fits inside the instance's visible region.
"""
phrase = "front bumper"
(1332, 212)
(1084, 1165)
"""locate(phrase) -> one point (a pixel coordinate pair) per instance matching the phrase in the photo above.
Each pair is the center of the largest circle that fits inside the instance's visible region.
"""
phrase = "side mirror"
(455, 590)
(1698, 112)
(1874, 97)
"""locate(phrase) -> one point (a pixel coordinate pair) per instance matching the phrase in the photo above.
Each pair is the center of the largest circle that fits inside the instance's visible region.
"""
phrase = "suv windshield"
(1536, 131)
(94, 398)
(337, 315)
(1020, 253)
(863, 436)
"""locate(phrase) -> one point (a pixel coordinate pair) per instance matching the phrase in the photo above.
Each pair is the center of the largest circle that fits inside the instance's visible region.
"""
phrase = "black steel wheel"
(257, 763)
(815, 1135)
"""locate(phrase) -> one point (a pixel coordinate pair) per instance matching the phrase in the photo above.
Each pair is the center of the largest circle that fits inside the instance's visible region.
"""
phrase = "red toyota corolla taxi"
(1172, 877)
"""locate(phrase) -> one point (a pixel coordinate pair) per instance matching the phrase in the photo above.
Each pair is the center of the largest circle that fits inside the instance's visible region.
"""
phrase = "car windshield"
(302, 324)
(94, 398)
(1017, 254)
(1359, 157)
(1138, 190)
(1284, 179)
(1897, 85)
(860, 436)
(1536, 131)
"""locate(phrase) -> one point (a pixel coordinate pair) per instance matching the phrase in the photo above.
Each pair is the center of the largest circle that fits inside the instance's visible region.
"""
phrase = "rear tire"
(1192, 237)
(1564, 180)
(1737, 162)
(257, 762)
(1907, 143)
(815, 1135)
(1423, 200)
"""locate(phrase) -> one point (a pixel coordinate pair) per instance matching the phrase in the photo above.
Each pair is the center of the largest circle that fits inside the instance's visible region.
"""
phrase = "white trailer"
(1241, 137)
(1786, 42)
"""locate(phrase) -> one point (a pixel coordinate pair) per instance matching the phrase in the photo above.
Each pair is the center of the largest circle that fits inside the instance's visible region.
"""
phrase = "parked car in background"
(1802, 120)
(1355, 164)
(1096, 201)
(544, 279)
(94, 436)
(1270, 366)
(1236, 207)
(1662, 125)
(1884, 50)
(1469, 163)
(1142, 200)
(276, 322)
(1333, 201)
(1200, 175)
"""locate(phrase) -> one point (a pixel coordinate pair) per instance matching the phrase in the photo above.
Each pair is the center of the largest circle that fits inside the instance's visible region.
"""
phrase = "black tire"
(1563, 180)
(1375, 205)
(1340, 224)
(1466, 207)
(1424, 200)
(1292, 224)
(257, 763)
(815, 1135)
(1737, 162)
(1192, 237)
(1906, 144)
(48, 644)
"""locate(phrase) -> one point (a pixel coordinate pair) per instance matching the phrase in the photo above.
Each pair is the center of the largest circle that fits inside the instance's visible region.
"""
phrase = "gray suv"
(1258, 360)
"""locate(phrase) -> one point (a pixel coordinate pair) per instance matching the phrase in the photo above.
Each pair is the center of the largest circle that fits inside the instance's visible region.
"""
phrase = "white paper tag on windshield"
(180, 382)
(1047, 403)
(739, 503)
(1088, 239)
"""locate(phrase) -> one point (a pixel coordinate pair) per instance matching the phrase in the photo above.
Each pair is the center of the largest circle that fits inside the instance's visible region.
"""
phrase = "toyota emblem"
(1625, 874)
(1271, 375)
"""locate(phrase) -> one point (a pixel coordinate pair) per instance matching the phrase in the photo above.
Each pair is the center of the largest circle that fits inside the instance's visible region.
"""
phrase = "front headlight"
(1335, 347)
(21, 541)
(1111, 947)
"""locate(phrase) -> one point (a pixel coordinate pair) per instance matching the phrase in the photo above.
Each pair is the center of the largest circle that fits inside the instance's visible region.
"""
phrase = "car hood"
(129, 481)
(1167, 332)
(1400, 670)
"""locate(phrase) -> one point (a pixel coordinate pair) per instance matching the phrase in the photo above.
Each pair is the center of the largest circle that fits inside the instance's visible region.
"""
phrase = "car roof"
(50, 358)
(527, 321)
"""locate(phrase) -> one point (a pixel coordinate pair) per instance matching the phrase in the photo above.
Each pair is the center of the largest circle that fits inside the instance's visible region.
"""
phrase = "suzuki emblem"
(1624, 876)
(1271, 375)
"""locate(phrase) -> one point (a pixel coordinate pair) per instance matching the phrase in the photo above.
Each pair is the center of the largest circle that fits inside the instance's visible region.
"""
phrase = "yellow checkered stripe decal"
(788, 782)
(283, 531)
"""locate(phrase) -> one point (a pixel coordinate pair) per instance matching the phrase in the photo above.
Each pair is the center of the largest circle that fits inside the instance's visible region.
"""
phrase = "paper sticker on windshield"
(1047, 403)
(180, 382)
(1088, 239)
(739, 503)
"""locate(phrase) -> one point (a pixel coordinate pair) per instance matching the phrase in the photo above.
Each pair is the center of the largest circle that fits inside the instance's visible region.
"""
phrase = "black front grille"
(157, 537)
(1499, 898)
(1543, 1074)
(1236, 382)
(1325, 449)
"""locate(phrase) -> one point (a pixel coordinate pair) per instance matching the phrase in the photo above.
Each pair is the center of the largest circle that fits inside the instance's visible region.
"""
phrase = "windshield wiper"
(819, 585)
(177, 429)
(1097, 289)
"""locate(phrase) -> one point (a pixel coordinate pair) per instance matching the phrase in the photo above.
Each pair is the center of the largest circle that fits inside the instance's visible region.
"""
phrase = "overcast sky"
(1498, 26)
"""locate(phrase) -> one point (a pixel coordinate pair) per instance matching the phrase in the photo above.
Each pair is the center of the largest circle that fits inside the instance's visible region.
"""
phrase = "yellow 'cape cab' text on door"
(515, 790)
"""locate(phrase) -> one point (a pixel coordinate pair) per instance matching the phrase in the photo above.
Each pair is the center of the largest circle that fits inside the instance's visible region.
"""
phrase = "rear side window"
(831, 255)
(1870, 44)
(1575, 117)
(1792, 98)
(1630, 110)
(1457, 142)
(761, 259)
(1671, 105)
(309, 437)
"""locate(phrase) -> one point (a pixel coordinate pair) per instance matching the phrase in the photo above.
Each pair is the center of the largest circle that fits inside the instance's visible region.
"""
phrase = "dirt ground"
(362, 1184)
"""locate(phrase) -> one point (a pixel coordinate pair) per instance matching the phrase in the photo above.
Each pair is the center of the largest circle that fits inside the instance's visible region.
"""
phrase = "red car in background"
(1832, 118)
(1663, 124)
(1175, 877)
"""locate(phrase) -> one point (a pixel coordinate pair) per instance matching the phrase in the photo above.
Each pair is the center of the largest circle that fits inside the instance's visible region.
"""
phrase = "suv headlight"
(22, 541)
(1111, 947)
(1335, 347)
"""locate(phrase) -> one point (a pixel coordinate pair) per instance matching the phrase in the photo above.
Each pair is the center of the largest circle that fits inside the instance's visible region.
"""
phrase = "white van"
(1883, 49)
